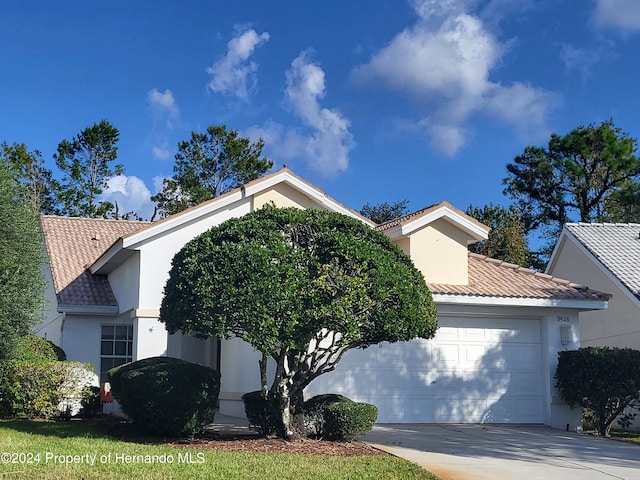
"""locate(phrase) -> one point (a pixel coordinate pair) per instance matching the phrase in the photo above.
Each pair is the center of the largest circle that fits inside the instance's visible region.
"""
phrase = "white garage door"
(476, 370)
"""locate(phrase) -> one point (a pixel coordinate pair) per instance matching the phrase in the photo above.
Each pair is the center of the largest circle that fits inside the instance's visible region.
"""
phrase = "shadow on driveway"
(457, 452)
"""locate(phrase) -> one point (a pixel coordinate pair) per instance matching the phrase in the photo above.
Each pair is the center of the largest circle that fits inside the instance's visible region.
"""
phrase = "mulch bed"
(221, 442)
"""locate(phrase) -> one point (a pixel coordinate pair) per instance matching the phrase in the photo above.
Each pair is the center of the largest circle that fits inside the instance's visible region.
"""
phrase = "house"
(607, 257)
(493, 359)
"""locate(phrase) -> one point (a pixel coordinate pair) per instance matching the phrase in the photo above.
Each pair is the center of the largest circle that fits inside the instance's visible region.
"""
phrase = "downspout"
(64, 316)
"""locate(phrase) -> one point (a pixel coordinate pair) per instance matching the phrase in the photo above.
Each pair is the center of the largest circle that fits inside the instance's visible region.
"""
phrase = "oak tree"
(28, 169)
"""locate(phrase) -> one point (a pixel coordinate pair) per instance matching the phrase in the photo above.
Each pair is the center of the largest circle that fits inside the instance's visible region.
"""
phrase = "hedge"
(43, 389)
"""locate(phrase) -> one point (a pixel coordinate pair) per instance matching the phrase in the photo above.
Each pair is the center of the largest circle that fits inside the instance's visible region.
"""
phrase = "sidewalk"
(231, 426)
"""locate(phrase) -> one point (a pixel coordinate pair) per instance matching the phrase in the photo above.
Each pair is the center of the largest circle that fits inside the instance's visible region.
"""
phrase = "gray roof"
(616, 246)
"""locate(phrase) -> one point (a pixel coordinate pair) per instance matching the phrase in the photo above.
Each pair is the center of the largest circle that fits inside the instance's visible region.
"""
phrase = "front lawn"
(72, 450)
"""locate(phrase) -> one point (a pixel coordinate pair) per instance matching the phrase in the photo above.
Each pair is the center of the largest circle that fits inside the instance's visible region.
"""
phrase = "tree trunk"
(283, 395)
(263, 375)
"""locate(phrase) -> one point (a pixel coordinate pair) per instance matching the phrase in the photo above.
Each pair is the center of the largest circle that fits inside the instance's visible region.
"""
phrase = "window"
(116, 348)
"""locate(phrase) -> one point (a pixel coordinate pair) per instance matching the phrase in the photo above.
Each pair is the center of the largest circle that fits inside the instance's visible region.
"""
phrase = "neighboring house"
(493, 359)
(607, 257)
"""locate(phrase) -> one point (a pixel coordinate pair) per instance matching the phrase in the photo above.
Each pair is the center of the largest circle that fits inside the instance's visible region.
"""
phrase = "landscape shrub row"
(327, 417)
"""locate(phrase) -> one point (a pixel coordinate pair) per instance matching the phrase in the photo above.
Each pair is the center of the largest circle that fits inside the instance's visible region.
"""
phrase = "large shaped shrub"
(167, 396)
(604, 381)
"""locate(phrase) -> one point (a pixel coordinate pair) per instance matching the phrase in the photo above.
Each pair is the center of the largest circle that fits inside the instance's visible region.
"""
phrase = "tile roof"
(489, 277)
(74, 243)
(616, 246)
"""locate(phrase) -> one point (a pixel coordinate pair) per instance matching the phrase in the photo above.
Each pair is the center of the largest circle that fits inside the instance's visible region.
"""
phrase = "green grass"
(45, 444)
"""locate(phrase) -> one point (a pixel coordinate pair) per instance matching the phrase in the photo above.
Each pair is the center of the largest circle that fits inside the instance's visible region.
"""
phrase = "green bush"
(32, 348)
(314, 413)
(167, 396)
(348, 420)
(263, 418)
(90, 403)
(604, 381)
(43, 389)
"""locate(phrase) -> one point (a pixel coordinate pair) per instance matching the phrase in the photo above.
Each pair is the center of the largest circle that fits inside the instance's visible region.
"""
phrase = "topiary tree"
(301, 286)
(167, 396)
(604, 381)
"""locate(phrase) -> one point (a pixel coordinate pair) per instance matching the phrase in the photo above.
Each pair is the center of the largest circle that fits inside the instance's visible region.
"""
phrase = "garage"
(476, 370)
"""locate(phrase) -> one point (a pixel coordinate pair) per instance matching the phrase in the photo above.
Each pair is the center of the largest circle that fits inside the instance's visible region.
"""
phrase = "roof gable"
(283, 175)
(615, 246)
(409, 223)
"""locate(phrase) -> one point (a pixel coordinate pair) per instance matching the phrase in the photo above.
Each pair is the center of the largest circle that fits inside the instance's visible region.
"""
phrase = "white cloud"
(160, 152)
(446, 138)
(327, 148)
(163, 101)
(234, 74)
(580, 60)
(130, 193)
(165, 113)
(445, 62)
(621, 14)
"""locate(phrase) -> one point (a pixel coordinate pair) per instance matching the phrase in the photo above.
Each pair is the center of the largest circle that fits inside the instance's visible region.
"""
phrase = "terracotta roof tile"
(493, 278)
(74, 243)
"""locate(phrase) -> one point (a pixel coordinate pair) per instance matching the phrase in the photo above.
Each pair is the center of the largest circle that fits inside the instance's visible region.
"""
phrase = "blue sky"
(371, 100)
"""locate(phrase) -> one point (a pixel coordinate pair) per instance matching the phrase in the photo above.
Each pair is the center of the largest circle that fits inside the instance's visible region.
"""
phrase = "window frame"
(116, 338)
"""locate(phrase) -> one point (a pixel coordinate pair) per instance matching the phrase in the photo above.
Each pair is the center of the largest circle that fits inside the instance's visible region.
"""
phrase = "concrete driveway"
(463, 452)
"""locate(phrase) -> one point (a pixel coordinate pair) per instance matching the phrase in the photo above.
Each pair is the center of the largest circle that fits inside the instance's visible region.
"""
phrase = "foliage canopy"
(21, 256)
(507, 239)
(29, 170)
(383, 212)
(602, 380)
(208, 165)
(86, 164)
(575, 178)
(302, 287)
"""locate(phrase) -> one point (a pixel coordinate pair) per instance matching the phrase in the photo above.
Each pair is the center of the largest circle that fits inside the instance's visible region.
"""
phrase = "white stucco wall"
(51, 324)
(156, 255)
(149, 338)
(81, 336)
(439, 251)
(239, 374)
(619, 324)
(124, 281)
